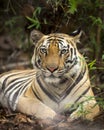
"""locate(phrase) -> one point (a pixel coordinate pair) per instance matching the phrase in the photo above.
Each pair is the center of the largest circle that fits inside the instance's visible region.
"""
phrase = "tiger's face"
(54, 55)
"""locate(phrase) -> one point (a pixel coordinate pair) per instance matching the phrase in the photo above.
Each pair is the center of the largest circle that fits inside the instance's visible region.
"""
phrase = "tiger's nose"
(52, 68)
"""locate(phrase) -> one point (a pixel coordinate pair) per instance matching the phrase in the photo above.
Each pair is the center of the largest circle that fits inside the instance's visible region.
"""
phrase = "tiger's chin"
(52, 80)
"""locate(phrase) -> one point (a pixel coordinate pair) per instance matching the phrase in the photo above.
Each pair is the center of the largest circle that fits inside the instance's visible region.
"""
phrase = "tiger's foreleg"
(88, 110)
(34, 107)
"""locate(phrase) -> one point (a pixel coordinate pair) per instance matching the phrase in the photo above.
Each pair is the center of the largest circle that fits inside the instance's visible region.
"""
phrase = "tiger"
(58, 82)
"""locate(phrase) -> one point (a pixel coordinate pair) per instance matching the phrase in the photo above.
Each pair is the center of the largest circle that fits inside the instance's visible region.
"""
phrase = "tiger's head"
(55, 54)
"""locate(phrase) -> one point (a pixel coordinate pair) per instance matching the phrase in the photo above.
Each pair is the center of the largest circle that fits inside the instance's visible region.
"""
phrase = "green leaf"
(96, 20)
(72, 6)
(31, 26)
(91, 65)
(36, 12)
(31, 19)
(35, 23)
(103, 57)
(45, 21)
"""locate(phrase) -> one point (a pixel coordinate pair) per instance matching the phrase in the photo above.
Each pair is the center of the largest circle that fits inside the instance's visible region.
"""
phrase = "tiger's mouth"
(57, 73)
(50, 75)
(53, 77)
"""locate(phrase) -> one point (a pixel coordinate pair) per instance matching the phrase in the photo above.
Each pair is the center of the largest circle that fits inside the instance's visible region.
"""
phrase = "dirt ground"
(17, 121)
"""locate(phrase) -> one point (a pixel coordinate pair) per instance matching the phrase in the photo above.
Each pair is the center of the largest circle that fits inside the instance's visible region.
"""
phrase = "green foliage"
(100, 102)
(64, 9)
(73, 5)
(91, 65)
(11, 24)
(80, 107)
(35, 23)
(103, 57)
(97, 21)
(34, 20)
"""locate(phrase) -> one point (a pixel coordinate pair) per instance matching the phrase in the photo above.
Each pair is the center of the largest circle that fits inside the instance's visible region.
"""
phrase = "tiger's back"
(58, 83)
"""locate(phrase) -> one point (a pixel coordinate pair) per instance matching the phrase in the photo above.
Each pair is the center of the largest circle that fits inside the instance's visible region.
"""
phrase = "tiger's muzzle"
(52, 68)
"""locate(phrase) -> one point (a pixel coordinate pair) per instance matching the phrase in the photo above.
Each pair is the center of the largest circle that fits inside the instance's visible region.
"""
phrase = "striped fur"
(58, 81)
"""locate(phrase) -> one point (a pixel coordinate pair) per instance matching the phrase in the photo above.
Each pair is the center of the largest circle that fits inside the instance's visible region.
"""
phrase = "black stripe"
(14, 88)
(60, 41)
(74, 106)
(36, 95)
(65, 93)
(71, 51)
(46, 92)
(71, 61)
(80, 86)
(7, 78)
(70, 88)
(59, 37)
(84, 93)
(75, 62)
(13, 85)
(74, 51)
(17, 93)
(49, 38)
(54, 37)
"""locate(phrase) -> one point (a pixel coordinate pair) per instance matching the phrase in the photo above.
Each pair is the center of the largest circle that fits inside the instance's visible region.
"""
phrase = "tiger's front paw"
(48, 114)
(74, 116)
(45, 113)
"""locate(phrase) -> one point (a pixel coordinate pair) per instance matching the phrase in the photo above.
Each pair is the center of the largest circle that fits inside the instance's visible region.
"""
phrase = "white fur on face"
(52, 80)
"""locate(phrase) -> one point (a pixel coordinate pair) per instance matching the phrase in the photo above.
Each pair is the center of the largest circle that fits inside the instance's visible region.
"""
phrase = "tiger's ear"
(76, 35)
(36, 35)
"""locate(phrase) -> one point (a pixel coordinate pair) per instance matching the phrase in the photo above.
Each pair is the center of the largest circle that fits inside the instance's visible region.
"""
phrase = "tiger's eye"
(63, 51)
(43, 50)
